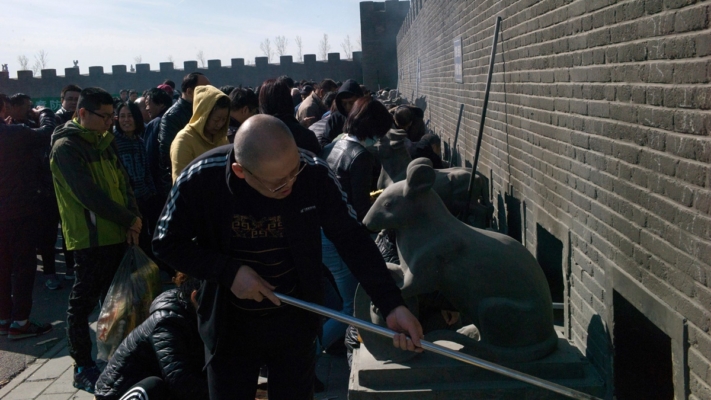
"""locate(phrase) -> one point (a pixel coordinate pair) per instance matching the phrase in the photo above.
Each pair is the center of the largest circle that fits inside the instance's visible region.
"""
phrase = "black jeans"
(18, 264)
(47, 238)
(95, 269)
(285, 343)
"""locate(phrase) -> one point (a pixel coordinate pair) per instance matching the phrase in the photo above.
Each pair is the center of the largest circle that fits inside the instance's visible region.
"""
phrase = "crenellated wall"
(598, 147)
(49, 84)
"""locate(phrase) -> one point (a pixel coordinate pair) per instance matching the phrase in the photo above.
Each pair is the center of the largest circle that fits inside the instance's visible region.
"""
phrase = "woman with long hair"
(128, 132)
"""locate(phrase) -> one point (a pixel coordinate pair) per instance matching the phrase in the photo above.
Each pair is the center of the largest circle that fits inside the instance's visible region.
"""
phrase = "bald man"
(246, 219)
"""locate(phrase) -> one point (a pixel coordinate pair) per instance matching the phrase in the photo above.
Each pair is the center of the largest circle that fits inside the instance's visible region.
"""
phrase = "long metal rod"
(453, 149)
(487, 365)
(472, 178)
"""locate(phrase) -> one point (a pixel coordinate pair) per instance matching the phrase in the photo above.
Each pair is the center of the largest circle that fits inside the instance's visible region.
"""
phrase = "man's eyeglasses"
(106, 118)
(280, 187)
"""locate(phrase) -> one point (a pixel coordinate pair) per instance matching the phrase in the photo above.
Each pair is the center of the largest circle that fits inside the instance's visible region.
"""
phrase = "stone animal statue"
(76, 63)
(451, 184)
(487, 276)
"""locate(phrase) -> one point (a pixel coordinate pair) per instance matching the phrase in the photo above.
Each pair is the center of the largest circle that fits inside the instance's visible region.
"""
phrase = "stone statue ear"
(419, 179)
(397, 138)
(421, 161)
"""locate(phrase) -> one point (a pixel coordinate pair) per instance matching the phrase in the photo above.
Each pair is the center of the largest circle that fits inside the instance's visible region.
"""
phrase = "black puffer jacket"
(353, 165)
(23, 182)
(175, 119)
(166, 345)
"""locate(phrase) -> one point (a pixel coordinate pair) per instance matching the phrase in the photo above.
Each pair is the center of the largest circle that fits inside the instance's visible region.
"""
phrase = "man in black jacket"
(347, 95)
(239, 218)
(171, 123)
(69, 96)
(158, 103)
(20, 206)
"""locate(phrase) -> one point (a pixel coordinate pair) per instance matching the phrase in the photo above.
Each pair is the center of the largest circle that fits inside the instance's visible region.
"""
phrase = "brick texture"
(599, 121)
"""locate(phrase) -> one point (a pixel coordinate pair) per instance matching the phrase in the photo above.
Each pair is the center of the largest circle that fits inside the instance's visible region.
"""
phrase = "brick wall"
(49, 84)
(380, 23)
(598, 131)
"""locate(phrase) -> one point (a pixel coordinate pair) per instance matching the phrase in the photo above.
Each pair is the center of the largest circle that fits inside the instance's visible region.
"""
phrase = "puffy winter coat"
(166, 345)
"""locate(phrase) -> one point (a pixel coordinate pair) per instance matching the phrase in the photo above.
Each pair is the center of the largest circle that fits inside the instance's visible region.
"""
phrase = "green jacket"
(95, 200)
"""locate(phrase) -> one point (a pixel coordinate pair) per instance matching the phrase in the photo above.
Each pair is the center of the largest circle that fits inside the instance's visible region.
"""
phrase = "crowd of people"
(204, 180)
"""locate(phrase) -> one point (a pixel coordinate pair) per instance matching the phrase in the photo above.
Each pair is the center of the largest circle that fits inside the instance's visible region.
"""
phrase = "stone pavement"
(42, 368)
(49, 377)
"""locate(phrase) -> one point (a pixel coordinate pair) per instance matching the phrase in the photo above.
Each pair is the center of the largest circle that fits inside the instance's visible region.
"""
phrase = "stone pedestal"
(431, 376)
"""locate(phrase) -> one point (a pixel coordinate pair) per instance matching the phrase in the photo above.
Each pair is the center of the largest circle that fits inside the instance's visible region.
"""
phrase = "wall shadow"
(549, 253)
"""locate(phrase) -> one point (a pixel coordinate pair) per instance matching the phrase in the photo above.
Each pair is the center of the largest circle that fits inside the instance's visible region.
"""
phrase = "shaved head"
(262, 140)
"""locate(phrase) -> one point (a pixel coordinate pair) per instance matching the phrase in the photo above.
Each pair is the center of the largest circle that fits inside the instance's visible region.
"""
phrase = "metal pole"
(487, 365)
(453, 149)
(483, 119)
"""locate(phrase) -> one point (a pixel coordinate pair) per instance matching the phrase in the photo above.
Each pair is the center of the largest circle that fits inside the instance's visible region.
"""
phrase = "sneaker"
(52, 283)
(30, 329)
(4, 328)
(69, 275)
(86, 379)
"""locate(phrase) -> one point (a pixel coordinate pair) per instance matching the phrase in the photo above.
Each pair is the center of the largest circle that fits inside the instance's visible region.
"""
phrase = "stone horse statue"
(488, 277)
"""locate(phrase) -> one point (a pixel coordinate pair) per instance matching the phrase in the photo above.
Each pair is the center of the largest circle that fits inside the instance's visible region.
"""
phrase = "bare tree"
(347, 47)
(41, 61)
(171, 59)
(324, 47)
(266, 47)
(24, 62)
(201, 57)
(138, 59)
(281, 42)
(299, 46)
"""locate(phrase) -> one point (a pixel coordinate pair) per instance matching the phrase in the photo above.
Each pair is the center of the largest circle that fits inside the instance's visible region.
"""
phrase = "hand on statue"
(249, 285)
(401, 320)
(308, 121)
(450, 317)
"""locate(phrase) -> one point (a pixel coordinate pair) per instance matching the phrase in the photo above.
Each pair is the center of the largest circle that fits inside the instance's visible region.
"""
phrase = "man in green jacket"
(99, 216)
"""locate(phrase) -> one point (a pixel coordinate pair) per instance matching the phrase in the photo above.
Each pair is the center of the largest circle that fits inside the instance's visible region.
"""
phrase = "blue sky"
(103, 33)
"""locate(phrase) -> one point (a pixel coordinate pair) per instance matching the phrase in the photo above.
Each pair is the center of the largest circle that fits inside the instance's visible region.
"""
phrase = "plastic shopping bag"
(128, 301)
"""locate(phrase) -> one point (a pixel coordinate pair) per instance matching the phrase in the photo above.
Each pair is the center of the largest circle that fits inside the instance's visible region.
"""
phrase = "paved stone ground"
(41, 369)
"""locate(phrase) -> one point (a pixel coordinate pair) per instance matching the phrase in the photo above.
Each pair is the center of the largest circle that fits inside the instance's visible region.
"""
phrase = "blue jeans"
(346, 284)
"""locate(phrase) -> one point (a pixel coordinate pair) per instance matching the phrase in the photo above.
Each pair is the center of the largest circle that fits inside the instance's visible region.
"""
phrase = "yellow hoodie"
(191, 141)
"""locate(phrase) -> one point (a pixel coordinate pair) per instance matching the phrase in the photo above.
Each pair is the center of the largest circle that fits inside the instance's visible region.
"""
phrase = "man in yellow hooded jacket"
(206, 130)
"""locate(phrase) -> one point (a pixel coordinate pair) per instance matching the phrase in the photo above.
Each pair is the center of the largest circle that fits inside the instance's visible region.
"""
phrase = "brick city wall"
(597, 138)
(49, 84)
(380, 23)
